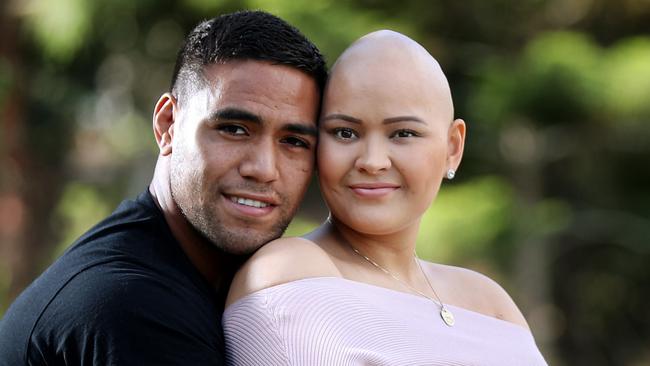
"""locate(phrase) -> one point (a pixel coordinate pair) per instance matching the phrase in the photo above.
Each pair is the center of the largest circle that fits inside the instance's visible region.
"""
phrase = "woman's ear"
(455, 144)
(164, 117)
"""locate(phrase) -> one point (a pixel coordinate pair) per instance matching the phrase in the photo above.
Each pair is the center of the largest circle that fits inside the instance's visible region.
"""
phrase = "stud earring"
(451, 174)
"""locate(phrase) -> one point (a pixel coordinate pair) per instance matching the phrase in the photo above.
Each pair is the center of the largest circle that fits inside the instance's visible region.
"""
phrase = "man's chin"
(244, 243)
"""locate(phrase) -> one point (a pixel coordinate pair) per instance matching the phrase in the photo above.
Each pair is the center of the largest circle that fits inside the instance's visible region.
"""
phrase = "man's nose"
(260, 162)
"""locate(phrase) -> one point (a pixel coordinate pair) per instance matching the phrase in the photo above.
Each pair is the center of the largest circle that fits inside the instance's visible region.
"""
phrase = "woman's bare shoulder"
(477, 292)
(280, 261)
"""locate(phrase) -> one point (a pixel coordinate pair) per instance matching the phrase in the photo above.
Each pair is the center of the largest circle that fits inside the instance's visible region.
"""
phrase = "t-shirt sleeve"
(120, 316)
(252, 333)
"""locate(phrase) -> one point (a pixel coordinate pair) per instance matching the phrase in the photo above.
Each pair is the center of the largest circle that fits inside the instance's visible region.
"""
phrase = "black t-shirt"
(124, 294)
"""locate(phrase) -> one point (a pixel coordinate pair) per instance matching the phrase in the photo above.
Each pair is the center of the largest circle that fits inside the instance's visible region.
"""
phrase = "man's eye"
(345, 133)
(234, 130)
(297, 142)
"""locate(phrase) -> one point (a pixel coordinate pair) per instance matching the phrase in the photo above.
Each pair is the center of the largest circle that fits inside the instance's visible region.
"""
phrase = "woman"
(353, 291)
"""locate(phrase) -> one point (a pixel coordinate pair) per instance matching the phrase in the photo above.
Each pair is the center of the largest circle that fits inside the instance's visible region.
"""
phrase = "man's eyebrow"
(300, 128)
(234, 114)
(343, 117)
(403, 119)
(237, 114)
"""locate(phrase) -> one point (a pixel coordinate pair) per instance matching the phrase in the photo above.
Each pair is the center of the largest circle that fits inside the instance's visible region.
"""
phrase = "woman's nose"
(374, 157)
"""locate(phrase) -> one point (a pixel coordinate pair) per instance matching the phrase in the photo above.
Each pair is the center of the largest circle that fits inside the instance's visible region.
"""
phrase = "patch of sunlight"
(546, 59)
(627, 73)
(59, 26)
(551, 49)
(80, 208)
(465, 218)
(300, 226)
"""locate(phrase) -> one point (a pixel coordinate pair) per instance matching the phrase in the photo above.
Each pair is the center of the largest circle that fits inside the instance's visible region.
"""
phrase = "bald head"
(393, 71)
(388, 119)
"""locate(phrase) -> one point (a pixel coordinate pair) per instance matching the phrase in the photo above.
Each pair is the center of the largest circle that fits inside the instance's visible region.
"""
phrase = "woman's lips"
(373, 190)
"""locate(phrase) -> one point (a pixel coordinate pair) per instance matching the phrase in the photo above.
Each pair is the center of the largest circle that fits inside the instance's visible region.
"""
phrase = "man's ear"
(455, 144)
(164, 117)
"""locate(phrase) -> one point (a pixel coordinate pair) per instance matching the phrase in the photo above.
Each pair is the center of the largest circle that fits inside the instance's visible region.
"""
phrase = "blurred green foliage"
(80, 207)
(465, 220)
(552, 198)
(59, 27)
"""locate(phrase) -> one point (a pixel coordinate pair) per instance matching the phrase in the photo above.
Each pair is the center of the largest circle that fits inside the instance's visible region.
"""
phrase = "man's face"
(243, 152)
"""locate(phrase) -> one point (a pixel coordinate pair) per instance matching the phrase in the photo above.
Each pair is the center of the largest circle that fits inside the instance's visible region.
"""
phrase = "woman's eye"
(405, 133)
(345, 133)
(234, 130)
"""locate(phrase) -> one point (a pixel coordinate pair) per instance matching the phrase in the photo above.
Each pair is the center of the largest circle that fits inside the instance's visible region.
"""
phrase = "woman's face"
(384, 148)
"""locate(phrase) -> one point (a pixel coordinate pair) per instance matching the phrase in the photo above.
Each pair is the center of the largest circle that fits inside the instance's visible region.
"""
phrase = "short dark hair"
(244, 35)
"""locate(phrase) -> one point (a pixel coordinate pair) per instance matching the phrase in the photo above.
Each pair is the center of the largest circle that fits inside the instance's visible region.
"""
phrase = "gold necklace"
(445, 314)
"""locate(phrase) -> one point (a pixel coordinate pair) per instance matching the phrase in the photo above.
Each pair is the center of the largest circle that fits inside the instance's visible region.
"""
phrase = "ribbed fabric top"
(334, 321)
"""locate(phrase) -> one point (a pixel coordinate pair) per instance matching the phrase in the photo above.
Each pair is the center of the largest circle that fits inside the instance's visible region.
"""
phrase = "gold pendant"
(447, 316)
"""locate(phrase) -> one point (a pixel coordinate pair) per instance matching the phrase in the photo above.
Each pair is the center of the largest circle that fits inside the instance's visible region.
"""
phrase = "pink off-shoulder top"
(334, 321)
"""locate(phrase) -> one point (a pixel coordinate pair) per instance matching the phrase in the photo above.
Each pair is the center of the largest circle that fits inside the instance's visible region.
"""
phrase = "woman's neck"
(393, 251)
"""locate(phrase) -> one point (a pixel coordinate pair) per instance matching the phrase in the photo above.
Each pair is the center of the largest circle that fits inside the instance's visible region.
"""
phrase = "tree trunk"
(29, 187)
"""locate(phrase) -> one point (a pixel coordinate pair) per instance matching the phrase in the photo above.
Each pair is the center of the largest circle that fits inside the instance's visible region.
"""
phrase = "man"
(146, 286)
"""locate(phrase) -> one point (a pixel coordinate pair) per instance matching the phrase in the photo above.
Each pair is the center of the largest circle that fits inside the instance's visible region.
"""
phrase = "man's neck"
(216, 266)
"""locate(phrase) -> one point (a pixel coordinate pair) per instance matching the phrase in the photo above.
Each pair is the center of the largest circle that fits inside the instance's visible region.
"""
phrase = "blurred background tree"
(552, 199)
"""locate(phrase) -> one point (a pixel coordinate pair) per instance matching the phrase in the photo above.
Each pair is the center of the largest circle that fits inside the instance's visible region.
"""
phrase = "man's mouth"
(248, 202)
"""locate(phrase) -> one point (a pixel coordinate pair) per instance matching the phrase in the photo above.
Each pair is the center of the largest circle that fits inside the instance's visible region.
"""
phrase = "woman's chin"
(382, 224)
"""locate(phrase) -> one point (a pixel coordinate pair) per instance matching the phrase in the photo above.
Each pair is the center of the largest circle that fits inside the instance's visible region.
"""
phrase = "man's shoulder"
(122, 277)
(124, 294)
(130, 216)
(84, 266)
(119, 307)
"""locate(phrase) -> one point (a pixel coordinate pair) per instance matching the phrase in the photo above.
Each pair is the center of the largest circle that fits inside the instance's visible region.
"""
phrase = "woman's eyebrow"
(386, 121)
(402, 119)
(340, 116)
